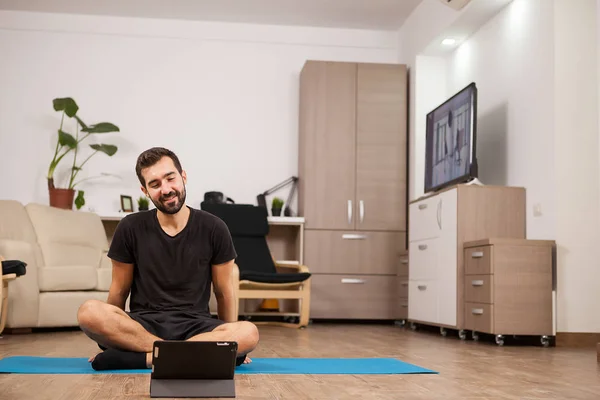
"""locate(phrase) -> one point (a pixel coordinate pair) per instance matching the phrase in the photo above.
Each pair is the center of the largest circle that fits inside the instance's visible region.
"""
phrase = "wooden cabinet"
(352, 169)
(352, 146)
(439, 226)
(508, 287)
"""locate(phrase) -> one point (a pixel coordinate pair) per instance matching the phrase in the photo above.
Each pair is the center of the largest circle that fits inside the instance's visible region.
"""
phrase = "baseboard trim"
(578, 339)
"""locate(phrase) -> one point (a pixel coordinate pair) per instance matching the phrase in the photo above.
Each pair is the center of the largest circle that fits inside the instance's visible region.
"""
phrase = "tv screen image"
(450, 141)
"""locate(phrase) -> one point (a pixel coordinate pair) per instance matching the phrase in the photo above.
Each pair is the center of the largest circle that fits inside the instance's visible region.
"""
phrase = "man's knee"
(243, 331)
(249, 332)
(90, 313)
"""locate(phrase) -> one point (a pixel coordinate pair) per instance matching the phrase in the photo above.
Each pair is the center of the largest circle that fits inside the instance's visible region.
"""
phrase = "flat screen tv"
(450, 142)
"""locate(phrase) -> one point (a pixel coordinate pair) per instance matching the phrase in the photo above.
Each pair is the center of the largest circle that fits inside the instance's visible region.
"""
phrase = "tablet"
(193, 360)
(193, 369)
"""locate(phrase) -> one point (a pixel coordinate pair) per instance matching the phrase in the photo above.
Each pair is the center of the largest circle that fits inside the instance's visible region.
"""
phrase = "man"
(167, 259)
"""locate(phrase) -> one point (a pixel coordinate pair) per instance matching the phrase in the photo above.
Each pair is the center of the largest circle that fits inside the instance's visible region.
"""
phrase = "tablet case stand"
(193, 369)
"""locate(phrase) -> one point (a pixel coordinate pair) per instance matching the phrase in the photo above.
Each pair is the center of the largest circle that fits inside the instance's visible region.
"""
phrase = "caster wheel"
(545, 341)
(500, 340)
(413, 326)
(401, 323)
(475, 336)
(443, 332)
(462, 334)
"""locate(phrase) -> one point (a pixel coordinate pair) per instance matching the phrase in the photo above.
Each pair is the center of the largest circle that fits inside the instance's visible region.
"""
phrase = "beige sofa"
(65, 252)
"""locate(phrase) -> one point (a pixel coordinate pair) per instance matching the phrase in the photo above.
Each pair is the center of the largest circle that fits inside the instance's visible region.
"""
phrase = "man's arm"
(122, 277)
(222, 275)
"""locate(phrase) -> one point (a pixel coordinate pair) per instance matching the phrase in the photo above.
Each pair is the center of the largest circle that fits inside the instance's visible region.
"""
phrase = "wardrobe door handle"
(422, 287)
(477, 283)
(477, 254)
(422, 206)
(477, 311)
(349, 211)
(422, 247)
(361, 210)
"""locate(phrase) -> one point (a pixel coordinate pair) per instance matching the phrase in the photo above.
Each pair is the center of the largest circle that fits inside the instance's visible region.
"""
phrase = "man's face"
(165, 186)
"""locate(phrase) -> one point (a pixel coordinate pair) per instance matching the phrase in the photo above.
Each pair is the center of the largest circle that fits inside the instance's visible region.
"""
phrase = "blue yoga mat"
(358, 366)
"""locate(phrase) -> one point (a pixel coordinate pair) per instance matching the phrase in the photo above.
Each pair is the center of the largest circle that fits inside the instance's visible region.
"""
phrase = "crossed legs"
(112, 328)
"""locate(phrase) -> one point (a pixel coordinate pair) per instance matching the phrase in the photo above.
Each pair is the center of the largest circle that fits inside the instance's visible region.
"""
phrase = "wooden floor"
(468, 370)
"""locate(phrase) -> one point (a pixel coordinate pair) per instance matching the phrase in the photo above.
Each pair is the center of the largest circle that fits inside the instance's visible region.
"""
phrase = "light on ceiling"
(448, 42)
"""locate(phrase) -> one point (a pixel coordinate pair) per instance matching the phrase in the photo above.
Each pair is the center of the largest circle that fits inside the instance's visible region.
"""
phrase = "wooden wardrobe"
(352, 188)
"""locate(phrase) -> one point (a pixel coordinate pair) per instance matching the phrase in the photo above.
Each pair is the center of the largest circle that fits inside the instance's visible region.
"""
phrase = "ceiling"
(358, 14)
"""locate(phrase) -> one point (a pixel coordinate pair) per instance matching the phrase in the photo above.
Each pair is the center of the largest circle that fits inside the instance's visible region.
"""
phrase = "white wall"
(511, 59)
(224, 97)
(576, 164)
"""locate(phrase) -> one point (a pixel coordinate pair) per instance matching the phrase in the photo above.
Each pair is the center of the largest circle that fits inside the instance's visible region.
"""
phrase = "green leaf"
(79, 200)
(83, 125)
(107, 149)
(67, 105)
(102, 127)
(76, 168)
(66, 139)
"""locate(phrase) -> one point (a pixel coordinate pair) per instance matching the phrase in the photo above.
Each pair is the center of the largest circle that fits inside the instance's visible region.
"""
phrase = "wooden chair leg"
(3, 304)
(305, 304)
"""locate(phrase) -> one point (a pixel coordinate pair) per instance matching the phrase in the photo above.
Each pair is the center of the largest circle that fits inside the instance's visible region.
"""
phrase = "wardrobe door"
(327, 145)
(381, 160)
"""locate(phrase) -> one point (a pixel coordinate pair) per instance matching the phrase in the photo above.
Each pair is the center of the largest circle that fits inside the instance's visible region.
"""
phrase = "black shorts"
(175, 325)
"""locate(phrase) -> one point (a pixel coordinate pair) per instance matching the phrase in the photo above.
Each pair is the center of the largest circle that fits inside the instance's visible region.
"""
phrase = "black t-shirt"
(171, 273)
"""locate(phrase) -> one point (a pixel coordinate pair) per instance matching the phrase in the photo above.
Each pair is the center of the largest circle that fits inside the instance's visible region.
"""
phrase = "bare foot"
(248, 360)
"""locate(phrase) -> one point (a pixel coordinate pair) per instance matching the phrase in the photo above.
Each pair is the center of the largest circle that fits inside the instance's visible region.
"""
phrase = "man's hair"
(150, 157)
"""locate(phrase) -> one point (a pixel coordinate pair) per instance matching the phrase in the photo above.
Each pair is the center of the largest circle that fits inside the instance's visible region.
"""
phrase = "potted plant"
(276, 206)
(143, 203)
(66, 142)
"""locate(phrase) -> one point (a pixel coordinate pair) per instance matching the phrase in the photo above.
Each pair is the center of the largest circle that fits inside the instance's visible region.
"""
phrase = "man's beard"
(162, 205)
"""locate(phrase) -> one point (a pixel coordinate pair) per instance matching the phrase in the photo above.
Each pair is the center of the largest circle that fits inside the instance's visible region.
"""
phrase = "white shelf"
(117, 216)
(286, 220)
(113, 216)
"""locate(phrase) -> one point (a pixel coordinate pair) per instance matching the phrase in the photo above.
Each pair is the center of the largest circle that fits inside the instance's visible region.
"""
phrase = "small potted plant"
(276, 206)
(143, 203)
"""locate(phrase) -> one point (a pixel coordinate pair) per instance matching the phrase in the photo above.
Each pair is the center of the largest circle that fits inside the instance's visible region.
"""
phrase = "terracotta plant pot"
(61, 198)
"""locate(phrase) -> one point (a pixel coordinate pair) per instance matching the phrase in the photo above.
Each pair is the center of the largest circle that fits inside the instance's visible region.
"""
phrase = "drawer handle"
(477, 283)
(404, 262)
(477, 311)
(349, 280)
(422, 247)
(422, 206)
(353, 236)
(404, 306)
(422, 287)
(477, 254)
(404, 283)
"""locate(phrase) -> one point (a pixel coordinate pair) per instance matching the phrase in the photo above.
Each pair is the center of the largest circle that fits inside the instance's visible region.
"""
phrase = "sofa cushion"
(72, 277)
(68, 238)
(104, 279)
(15, 223)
